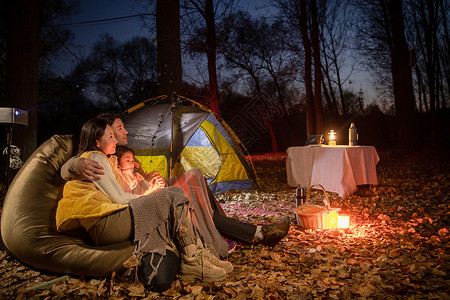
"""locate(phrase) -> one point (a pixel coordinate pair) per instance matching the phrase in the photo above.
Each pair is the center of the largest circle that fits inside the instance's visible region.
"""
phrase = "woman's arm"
(108, 183)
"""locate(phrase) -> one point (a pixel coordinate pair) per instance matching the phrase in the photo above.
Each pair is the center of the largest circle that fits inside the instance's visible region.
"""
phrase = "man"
(233, 229)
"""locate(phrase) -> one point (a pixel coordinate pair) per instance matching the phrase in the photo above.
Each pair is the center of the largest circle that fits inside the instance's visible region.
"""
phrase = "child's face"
(126, 161)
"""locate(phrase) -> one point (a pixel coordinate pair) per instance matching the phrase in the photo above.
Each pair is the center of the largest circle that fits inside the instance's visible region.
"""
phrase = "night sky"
(123, 30)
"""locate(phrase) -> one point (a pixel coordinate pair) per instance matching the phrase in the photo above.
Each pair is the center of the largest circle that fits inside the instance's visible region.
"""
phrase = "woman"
(159, 223)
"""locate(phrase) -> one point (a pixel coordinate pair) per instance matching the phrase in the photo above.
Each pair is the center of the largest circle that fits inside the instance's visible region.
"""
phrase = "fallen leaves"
(397, 245)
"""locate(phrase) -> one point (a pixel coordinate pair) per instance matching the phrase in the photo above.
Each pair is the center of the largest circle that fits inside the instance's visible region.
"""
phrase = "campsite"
(225, 149)
(397, 246)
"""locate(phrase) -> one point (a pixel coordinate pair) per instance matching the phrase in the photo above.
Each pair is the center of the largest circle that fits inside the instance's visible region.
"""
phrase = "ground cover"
(397, 245)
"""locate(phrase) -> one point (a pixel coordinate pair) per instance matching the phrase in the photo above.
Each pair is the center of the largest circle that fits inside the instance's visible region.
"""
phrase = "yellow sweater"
(83, 203)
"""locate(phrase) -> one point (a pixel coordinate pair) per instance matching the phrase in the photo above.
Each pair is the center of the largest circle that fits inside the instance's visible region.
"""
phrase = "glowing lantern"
(343, 221)
(332, 141)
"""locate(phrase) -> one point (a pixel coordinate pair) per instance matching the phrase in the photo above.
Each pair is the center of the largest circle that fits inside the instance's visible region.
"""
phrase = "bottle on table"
(352, 135)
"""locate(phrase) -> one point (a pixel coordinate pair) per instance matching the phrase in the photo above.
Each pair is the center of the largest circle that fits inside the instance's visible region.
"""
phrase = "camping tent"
(176, 135)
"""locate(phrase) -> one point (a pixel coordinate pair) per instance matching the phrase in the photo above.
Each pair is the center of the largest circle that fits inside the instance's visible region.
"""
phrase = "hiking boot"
(274, 232)
(226, 265)
(199, 267)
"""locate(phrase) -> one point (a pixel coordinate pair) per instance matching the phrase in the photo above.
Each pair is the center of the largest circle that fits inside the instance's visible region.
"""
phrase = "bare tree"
(22, 68)
(205, 38)
(431, 39)
(302, 16)
(124, 74)
(336, 43)
(168, 46)
(401, 71)
(254, 49)
(139, 62)
(104, 71)
(383, 32)
(318, 108)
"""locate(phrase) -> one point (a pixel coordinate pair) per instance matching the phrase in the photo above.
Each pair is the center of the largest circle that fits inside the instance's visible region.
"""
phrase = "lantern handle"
(326, 200)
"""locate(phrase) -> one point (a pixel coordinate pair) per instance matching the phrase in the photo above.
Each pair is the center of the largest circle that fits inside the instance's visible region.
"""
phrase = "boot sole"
(228, 268)
(193, 277)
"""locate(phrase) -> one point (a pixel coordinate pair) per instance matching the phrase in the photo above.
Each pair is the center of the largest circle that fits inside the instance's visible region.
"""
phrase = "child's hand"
(155, 179)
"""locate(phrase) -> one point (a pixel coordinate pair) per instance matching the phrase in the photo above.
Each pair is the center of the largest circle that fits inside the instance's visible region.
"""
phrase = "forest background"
(275, 78)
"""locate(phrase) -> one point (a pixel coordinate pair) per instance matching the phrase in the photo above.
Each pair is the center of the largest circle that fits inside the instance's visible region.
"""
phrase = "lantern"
(343, 221)
(332, 141)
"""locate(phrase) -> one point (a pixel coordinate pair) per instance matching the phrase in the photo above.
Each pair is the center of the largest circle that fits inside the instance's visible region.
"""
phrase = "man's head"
(115, 120)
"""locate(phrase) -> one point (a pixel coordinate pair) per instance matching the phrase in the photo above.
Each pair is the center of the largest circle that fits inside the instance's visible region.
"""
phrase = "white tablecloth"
(337, 168)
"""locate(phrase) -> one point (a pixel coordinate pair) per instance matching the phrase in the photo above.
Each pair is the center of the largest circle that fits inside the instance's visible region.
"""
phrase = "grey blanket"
(153, 216)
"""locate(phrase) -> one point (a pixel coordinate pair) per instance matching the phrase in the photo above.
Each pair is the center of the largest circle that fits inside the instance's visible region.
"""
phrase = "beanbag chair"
(28, 220)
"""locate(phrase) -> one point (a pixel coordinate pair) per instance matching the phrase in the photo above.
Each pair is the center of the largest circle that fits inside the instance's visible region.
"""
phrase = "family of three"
(177, 225)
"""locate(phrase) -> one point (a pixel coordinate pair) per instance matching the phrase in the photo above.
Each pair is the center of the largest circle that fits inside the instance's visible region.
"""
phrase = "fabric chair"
(28, 220)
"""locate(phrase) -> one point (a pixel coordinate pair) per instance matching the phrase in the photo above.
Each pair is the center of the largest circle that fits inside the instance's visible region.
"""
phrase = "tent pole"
(172, 108)
(172, 113)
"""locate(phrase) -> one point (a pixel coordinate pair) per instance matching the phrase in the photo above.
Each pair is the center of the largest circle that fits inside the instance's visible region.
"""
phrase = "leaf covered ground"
(397, 246)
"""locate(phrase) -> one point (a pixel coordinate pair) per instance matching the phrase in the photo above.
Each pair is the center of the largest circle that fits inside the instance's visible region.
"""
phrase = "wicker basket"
(317, 217)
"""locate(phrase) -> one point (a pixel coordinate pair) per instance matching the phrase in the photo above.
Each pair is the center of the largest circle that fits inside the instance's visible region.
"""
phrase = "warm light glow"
(332, 141)
(332, 135)
(343, 221)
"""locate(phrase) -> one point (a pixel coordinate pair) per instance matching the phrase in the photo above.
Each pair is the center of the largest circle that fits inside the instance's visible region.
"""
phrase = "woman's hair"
(121, 150)
(92, 131)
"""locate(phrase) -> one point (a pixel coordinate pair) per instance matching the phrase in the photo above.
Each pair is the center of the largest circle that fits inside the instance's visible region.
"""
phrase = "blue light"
(17, 112)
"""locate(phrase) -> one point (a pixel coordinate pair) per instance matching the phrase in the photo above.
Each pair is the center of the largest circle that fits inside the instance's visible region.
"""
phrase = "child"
(133, 182)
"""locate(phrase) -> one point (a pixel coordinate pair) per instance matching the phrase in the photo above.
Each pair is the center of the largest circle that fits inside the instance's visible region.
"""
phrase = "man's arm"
(138, 167)
(86, 168)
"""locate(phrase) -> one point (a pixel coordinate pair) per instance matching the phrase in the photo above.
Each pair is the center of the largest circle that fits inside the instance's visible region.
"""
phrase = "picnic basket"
(312, 216)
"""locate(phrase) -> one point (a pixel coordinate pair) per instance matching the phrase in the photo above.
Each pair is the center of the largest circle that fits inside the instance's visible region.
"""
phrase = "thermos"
(352, 135)
(300, 196)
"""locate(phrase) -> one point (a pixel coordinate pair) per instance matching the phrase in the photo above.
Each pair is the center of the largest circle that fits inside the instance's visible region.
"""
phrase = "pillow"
(28, 220)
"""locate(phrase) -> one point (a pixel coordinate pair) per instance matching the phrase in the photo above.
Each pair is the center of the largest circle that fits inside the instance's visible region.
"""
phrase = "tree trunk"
(421, 93)
(211, 55)
(327, 97)
(429, 67)
(317, 68)
(266, 120)
(22, 69)
(401, 75)
(334, 107)
(445, 55)
(168, 46)
(310, 123)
